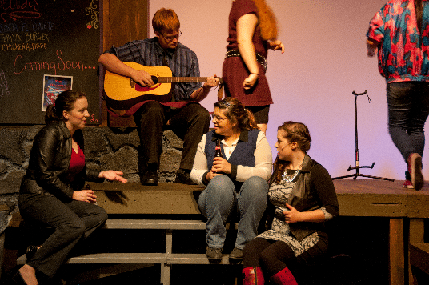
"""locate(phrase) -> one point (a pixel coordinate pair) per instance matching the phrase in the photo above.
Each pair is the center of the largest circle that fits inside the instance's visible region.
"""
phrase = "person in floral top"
(400, 33)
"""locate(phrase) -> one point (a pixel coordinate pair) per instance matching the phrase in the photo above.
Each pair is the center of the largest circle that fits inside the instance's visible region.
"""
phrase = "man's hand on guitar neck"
(202, 92)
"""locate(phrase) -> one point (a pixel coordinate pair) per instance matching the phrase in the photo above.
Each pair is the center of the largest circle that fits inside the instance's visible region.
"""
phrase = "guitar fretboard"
(181, 79)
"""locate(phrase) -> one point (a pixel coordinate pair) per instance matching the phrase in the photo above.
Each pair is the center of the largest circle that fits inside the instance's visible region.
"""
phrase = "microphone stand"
(357, 167)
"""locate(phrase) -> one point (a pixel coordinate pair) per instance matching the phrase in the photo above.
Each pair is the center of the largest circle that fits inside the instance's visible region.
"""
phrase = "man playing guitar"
(188, 119)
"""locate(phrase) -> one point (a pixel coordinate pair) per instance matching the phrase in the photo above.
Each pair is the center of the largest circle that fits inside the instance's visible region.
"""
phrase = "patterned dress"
(278, 195)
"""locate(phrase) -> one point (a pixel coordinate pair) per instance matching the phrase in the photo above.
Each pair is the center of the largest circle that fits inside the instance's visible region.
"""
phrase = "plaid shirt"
(182, 61)
(403, 54)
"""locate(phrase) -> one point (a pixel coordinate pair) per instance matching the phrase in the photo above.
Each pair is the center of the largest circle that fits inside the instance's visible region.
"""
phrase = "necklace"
(289, 178)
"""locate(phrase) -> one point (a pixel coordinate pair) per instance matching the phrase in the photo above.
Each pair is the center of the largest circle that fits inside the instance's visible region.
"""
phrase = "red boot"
(284, 277)
(253, 276)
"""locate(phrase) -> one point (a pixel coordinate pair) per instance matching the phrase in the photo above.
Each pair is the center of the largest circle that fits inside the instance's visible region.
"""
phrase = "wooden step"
(156, 224)
(139, 258)
(134, 198)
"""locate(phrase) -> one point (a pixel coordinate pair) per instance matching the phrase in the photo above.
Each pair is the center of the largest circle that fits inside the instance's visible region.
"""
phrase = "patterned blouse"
(403, 54)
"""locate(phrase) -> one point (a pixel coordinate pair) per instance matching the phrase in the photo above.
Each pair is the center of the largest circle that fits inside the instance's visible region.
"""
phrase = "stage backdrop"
(46, 47)
(325, 60)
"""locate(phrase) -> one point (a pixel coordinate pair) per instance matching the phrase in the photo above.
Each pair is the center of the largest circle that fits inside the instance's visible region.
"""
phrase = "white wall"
(312, 82)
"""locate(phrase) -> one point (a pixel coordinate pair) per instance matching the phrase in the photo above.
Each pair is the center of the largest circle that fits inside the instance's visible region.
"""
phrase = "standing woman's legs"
(261, 116)
(419, 115)
(408, 109)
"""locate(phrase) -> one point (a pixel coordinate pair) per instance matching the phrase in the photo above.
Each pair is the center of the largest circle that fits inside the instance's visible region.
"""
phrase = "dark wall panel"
(47, 37)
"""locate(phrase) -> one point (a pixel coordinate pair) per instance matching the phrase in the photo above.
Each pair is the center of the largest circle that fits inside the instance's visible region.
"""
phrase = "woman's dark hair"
(64, 102)
(295, 132)
(237, 114)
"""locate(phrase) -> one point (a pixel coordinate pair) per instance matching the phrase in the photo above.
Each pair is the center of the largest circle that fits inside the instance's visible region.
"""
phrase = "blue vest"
(244, 153)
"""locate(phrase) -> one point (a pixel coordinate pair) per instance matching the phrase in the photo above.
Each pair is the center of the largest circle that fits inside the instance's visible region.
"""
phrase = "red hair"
(165, 20)
(267, 20)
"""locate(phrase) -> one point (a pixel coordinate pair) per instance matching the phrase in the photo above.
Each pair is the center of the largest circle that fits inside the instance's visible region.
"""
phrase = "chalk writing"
(23, 46)
(92, 11)
(36, 37)
(27, 41)
(59, 64)
(27, 37)
(10, 38)
(26, 27)
(3, 84)
(19, 9)
(93, 120)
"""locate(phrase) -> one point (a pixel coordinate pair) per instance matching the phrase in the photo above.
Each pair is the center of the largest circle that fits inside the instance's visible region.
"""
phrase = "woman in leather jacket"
(51, 191)
(301, 198)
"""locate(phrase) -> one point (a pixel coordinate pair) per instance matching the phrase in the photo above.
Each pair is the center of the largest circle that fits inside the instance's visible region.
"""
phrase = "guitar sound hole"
(154, 79)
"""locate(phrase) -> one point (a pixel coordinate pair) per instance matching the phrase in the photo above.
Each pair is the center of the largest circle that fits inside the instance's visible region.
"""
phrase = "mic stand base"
(362, 175)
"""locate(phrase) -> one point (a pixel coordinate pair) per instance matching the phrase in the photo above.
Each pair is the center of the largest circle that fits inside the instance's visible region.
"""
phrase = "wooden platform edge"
(139, 258)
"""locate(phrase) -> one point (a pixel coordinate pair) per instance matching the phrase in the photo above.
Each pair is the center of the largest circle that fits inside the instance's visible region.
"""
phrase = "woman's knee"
(255, 186)
(73, 229)
(219, 190)
(270, 259)
(221, 184)
(256, 182)
(101, 215)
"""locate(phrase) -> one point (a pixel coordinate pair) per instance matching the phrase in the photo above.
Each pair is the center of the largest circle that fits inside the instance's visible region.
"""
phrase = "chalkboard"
(47, 46)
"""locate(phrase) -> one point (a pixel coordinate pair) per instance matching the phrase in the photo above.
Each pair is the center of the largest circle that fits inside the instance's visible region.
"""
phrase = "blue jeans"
(219, 199)
(408, 109)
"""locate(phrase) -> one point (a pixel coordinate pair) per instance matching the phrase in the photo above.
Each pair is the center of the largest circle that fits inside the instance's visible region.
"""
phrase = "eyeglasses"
(171, 38)
(217, 118)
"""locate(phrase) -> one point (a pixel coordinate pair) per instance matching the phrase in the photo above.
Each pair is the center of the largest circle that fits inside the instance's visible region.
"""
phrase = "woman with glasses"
(301, 198)
(237, 181)
(252, 31)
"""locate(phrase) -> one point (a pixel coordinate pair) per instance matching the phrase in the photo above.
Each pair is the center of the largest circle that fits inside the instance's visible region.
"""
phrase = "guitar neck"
(181, 79)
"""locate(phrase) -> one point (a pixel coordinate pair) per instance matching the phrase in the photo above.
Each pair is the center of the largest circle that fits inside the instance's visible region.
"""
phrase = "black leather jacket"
(49, 163)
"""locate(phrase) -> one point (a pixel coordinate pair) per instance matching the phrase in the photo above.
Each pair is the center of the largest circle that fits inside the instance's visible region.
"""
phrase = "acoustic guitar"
(123, 92)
